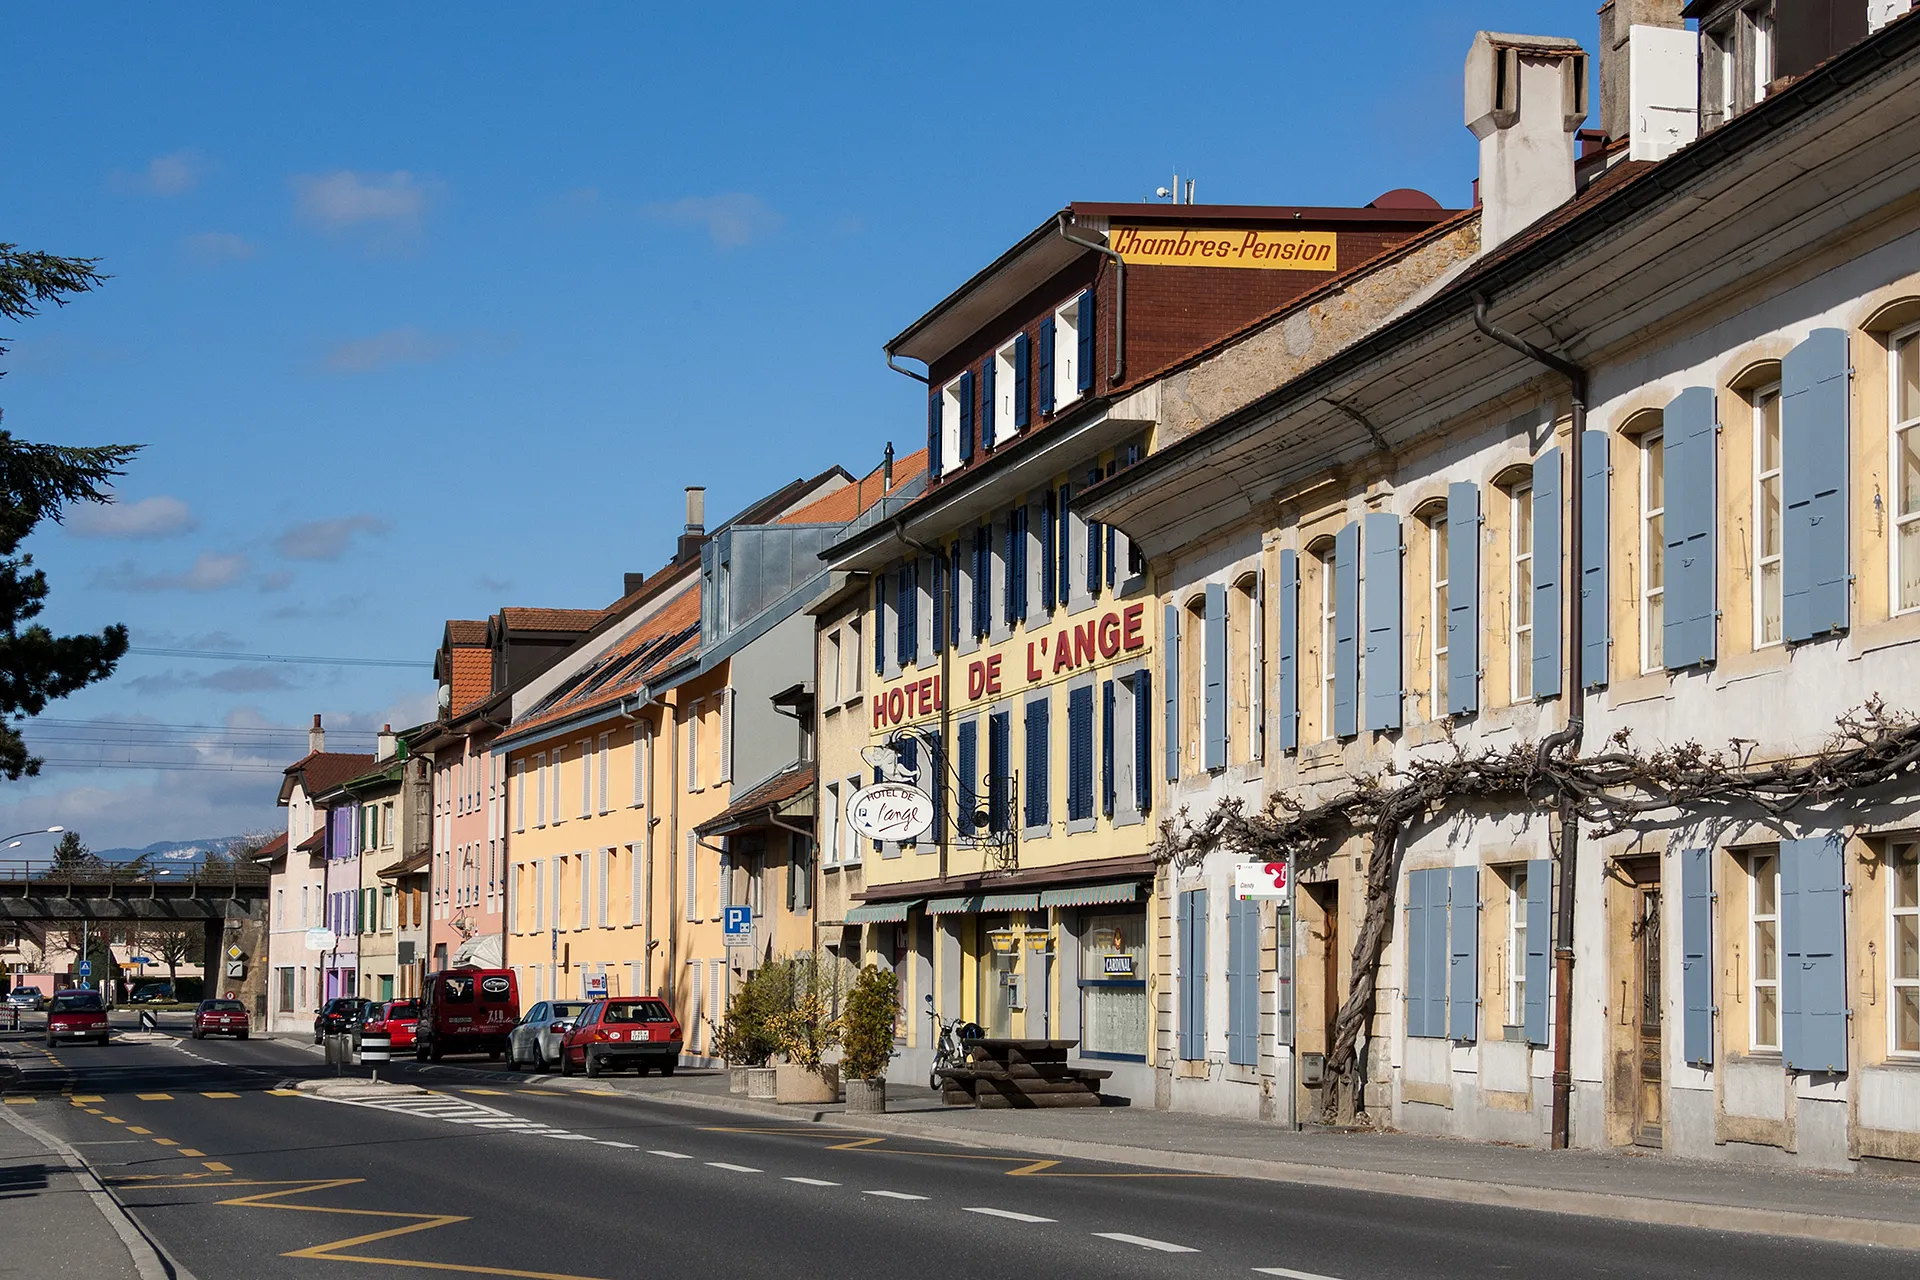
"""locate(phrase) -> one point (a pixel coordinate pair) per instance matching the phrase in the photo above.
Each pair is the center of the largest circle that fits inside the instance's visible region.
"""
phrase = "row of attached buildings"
(1228, 503)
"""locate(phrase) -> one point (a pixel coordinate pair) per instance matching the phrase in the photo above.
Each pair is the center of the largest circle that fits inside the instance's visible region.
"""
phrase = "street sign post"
(86, 968)
(1260, 880)
(738, 926)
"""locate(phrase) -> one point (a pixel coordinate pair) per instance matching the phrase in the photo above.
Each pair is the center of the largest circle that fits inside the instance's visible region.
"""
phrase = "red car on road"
(221, 1018)
(640, 1030)
(397, 1018)
(76, 1015)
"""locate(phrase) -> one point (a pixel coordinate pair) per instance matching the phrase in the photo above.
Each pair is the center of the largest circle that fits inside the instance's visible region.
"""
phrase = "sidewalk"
(1867, 1209)
(56, 1219)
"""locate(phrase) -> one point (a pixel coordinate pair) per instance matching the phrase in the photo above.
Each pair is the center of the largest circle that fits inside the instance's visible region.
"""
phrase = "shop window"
(1113, 986)
(1763, 950)
(1903, 948)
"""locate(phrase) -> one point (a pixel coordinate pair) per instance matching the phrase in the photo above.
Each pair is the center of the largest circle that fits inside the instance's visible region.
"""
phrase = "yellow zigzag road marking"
(1028, 1167)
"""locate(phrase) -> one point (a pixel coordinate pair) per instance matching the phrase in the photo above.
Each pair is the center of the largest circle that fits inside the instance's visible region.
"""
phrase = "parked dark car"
(221, 1018)
(153, 993)
(76, 1015)
(342, 1013)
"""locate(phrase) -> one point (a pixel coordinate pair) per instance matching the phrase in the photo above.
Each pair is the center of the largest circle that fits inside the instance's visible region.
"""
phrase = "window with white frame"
(830, 842)
(1005, 382)
(1758, 21)
(1763, 951)
(830, 671)
(1516, 966)
(950, 425)
(1903, 948)
(856, 659)
(1768, 515)
(694, 710)
(1066, 355)
(850, 852)
(553, 779)
(1520, 639)
(1904, 396)
(540, 789)
(1328, 640)
(606, 750)
(519, 795)
(1653, 549)
(1437, 612)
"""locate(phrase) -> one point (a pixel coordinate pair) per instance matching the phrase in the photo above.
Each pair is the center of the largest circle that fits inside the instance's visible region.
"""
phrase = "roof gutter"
(1119, 293)
(899, 368)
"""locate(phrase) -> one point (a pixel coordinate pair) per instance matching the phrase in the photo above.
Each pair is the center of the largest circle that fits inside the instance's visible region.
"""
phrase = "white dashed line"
(568, 1137)
(671, 1155)
(893, 1195)
(1010, 1215)
(624, 1146)
(731, 1168)
(1290, 1273)
(1144, 1243)
(811, 1182)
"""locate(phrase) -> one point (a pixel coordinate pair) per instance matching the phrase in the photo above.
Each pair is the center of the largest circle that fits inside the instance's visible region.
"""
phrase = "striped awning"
(1092, 895)
(1011, 902)
(953, 906)
(881, 912)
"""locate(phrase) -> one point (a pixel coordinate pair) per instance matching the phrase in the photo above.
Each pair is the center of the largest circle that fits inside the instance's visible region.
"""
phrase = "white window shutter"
(586, 776)
(635, 900)
(691, 880)
(726, 736)
(639, 765)
(723, 881)
(606, 861)
(606, 743)
(694, 971)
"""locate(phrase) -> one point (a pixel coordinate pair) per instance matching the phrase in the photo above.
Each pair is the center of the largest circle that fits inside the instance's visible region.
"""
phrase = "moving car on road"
(76, 1015)
(396, 1019)
(536, 1041)
(28, 998)
(221, 1018)
(466, 1011)
(636, 1030)
(338, 1014)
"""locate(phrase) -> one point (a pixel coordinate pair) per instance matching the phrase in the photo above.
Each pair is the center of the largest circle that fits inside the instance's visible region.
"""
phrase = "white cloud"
(731, 219)
(160, 516)
(342, 199)
(326, 539)
(210, 571)
(165, 176)
(405, 345)
(213, 247)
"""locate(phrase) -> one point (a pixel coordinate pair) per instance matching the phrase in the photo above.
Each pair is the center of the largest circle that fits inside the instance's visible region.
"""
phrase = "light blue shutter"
(1243, 982)
(1547, 573)
(1463, 599)
(1046, 366)
(1383, 620)
(1022, 377)
(1696, 955)
(1813, 962)
(1813, 481)
(1193, 974)
(969, 781)
(1214, 708)
(934, 432)
(1084, 356)
(986, 402)
(1183, 1020)
(1463, 953)
(1413, 986)
(966, 416)
(1691, 614)
(1170, 643)
(1427, 959)
(1287, 669)
(1346, 647)
(1539, 947)
(1594, 640)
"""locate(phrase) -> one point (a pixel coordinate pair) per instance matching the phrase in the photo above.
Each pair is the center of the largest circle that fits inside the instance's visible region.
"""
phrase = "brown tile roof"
(844, 505)
(525, 619)
(313, 843)
(273, 849)
(472, 678)
(467, 632)
(649, 648)
(794, 780)
(407, 866)
(323, 771)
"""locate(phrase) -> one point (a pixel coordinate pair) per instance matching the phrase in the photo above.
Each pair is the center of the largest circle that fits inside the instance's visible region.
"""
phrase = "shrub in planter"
(866, 1028)
(743, 1037)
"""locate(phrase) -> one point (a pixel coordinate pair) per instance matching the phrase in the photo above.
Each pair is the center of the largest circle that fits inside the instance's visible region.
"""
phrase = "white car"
(535, 1039)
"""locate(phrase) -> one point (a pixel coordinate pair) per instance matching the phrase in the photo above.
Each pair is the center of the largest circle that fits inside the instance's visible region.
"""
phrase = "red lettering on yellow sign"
(1071, 648)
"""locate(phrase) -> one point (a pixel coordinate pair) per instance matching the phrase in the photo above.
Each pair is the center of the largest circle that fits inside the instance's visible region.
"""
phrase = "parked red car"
(76, 1015)
(398, 1018)
(221, 1018)
(640, 1030)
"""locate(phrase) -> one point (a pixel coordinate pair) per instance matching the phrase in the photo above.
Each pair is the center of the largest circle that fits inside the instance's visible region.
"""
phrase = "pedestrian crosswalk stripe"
(154, 1097)
(189, 1151)
(88, 1097)
(134, 1128)
(219, 1095)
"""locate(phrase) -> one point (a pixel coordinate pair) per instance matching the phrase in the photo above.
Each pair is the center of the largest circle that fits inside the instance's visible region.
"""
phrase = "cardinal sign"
(1258, 880)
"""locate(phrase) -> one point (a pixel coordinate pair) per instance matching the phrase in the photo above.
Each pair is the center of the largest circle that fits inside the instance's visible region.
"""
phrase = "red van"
(466, 1011)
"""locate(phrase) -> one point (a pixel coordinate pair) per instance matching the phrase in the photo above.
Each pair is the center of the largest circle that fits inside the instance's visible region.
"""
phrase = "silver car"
(535, 1040)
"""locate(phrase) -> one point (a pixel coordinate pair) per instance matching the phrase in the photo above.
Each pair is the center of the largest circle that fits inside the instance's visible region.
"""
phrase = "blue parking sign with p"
(739, 924)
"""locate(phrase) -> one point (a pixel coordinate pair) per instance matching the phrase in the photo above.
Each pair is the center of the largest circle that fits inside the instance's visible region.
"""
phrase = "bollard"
(148, 1022)
(375, 1048)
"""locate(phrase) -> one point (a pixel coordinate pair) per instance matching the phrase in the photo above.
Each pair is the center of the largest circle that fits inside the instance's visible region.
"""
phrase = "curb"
(150, 1259)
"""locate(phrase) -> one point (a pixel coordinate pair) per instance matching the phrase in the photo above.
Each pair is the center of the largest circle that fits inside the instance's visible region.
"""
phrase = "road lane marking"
(545, 1093)
(893, 1195)
(1290, 1273)
(284, 1093)
(20, 1102)
(626, 1146)
(1010, 1215)
(811, 1182)
(219, 1095)
(134, 1128)
(216, 1166)
(734, 1168)
(671, 1155)
(189, 1151)
(154, 1097)
(166, 1142)
(487, 1093)
(88, 1097)
(113, 1119)
(1144, 1242)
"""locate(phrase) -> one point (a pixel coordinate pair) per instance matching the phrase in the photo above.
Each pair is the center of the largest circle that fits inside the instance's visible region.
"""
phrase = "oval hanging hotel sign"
(890, 811)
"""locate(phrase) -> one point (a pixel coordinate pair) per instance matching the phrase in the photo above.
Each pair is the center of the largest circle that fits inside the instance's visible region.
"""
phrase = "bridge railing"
(46, 871)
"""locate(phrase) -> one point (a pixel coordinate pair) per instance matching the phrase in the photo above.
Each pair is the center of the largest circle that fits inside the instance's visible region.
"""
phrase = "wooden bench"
(1019, 1074)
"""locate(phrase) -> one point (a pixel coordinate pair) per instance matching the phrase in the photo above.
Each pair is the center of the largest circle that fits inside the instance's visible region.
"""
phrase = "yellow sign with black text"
(1161, 246)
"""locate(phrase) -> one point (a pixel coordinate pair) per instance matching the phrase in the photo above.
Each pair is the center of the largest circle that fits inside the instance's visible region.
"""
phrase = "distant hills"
(169, 850)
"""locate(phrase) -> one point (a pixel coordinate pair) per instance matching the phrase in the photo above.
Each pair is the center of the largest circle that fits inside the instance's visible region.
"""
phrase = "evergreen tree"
(72, 854)
(38, 482)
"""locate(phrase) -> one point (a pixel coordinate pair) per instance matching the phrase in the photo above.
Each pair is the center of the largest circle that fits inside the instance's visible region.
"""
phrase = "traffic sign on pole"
(739, 926)
(86, 968)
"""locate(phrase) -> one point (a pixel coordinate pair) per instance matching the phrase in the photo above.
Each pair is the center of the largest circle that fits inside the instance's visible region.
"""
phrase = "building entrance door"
(1000, 994)
(1649, 1117)
(1324, 936)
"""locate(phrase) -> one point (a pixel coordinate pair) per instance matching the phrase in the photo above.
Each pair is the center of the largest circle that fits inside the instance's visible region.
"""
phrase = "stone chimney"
(1618, 18)
(632, 583)
(384, 745)
(1526, 95)
(316, 736)
(1649, 77)
(696, 530)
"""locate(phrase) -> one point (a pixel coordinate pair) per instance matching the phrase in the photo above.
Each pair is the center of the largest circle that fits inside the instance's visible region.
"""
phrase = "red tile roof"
(524, 619)
(273, 849)
(323, 771)
(467, 633)
(313, 843)
(844, 505)
(792, 781)
(472, 678)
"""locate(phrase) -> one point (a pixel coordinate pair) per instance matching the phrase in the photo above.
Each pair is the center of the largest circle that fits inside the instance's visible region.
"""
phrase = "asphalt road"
(239, 1178)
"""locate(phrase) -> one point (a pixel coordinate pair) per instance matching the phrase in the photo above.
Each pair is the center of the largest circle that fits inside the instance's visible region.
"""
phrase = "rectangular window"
(693, 745)
(586, 776)
(830, 825)
(602, 757)
(950, 443)
(1763, 950)
(1113, 986)
(830, 671)
(1437, 615)
(850, 853)
(1759, 26)
(1904, 396)
(1328, 641)
(553, 784)
(1036, 785)
(540, 790)
(1008, 382)
(1079, 754)
(1521, 593)
(1066, 355)
(1516, 965)
(1653, 549)
(1767, 516)
(1903, 947)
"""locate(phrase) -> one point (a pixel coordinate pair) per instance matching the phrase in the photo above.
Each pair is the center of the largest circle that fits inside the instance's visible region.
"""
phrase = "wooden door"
(1649, 1116)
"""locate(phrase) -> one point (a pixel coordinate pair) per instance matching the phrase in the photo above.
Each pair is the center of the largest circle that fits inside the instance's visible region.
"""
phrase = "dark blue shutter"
(1383, 643)
(953, 595)
(1095, 541)
(1243, 982)
(1690, 610)
(1007, 614)
(1018, 570)
(907, 615)
(983, 581)
(1113, 563)
(1049, 522)
(939, 593)
(1419, 923)
(1063, 547)
(966, 416)
(1080, 754)
(1813, 481)
(1594, 640)
(1547, 572)
(934, 432)
(1107, 729)
(987, 433)
(1346, 638)
(1035, 785)
(1022, 377)
(1539, 947)
(1813, 961)
(1084, 357)
(1696, 954)
(999, 768)
(1170, 646)
(1463, 599)
(880, 624)
(934, 781)
(968, 784)
(1046, 366)
(1287, 669)
(1463, 954)
(1213, 716)
(1143, 741)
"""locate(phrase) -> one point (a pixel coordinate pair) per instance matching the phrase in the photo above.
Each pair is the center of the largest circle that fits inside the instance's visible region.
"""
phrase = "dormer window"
(1012, 366)
(1073, 351)
(1737, 61)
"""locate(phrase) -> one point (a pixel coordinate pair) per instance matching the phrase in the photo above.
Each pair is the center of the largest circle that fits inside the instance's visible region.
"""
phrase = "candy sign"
(1260, 880)
(891, 811)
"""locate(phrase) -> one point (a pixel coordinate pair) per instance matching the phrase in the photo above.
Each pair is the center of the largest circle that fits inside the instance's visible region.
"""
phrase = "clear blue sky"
(426, 309)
